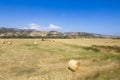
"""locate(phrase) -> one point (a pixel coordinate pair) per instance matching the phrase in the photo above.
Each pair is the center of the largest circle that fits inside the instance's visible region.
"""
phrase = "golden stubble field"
(34, 59)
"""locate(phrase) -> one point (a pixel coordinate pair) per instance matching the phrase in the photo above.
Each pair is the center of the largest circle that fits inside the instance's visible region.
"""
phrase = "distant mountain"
(31, 33)
(21, 33)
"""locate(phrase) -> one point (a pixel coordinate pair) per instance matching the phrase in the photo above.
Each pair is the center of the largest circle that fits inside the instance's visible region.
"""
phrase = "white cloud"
(33, 26)
(38, 27)
(54, 27)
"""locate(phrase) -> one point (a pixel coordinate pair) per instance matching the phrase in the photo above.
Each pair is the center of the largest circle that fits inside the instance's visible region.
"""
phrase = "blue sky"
(94, 16)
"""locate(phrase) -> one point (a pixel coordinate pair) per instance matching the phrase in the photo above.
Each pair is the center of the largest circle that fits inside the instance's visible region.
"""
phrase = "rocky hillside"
(31, 33)
(20, 33)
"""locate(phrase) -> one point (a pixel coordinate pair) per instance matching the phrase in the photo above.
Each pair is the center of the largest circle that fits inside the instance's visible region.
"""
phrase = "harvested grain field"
(47, 60)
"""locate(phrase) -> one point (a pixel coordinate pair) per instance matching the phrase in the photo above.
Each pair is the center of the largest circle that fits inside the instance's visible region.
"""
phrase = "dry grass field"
(47, 60)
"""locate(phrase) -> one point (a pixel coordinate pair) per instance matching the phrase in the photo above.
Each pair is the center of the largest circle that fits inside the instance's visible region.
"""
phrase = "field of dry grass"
(47, 60)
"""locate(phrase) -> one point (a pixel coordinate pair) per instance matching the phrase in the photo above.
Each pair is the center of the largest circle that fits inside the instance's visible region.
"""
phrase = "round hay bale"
(74, 65)
(10, 43)
(3, 42)
(35, 43)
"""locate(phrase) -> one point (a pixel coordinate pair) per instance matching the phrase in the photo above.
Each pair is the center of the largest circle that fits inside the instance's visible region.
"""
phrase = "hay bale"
(35, 43)
(9, 43)
(3, 42)
(74, 65)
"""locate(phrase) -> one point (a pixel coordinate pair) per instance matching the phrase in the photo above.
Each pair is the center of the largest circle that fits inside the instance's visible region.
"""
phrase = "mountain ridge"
(32, 33)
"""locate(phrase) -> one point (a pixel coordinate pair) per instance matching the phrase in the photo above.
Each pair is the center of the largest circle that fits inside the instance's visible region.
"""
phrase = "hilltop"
(32, 33)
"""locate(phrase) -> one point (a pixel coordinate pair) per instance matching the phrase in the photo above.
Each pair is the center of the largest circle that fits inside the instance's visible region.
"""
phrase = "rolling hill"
(31, 33)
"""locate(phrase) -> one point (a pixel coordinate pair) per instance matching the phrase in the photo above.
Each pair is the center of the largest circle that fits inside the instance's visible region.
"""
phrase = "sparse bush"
(43, 39)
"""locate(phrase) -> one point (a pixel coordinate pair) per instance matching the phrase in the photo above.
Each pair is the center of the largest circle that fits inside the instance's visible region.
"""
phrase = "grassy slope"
(47, 60)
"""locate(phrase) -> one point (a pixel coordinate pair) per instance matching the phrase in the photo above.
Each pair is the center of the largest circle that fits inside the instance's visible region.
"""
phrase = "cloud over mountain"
(38, 27)
(54, 27)
(33, 26)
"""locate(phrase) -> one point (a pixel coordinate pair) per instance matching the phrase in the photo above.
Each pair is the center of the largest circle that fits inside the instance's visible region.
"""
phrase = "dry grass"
(89, 42)
(47, 60)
